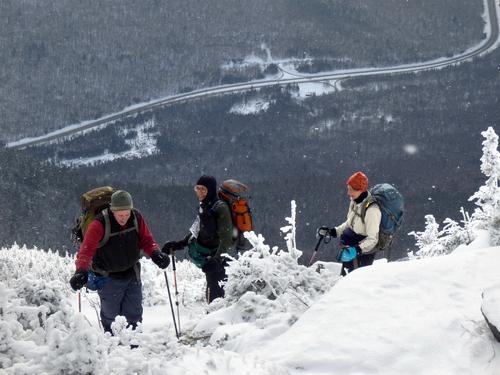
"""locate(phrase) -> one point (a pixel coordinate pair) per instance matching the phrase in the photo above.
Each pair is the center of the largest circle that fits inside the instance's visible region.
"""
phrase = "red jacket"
(94, 234)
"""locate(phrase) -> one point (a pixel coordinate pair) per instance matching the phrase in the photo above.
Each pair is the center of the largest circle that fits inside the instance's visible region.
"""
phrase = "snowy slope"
(415, 317)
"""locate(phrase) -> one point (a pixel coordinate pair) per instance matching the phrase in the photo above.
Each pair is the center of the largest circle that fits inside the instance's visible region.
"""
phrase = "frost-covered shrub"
(190, 283)
(81, 350)
(5, 336)
(152, 286)
(40, 280)
(38, 318)
(41, 331)
(432, 241)
(265, 289)
(9, 326)
(273, 273)
(42, 292)
(16, 262)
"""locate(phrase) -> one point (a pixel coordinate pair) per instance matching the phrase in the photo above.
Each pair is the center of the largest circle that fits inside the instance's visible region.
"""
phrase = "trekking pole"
(311, 261)
(79, 302)
(171, 305)
(176, 293)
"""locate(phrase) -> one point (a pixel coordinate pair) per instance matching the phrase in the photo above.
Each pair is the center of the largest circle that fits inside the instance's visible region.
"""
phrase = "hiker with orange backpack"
(359, 234)
(108, 259)
(209, 238)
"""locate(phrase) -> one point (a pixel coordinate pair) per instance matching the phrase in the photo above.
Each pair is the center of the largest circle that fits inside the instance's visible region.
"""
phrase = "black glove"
(79, 279)
(325, 231)
(358, 250)
(172, 246)
(212, 265)
(162, 260)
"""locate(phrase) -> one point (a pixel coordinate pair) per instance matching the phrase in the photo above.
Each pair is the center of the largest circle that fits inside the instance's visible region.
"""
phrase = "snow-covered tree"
(427, 241)
(487, 198)
(274, 273)
(266, 287)
(432, 241)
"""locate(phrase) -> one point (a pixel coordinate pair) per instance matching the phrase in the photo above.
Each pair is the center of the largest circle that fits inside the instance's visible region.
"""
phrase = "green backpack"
(92, 203)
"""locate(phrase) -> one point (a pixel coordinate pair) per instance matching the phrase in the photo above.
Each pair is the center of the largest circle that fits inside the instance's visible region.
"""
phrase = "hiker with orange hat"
(359, 233)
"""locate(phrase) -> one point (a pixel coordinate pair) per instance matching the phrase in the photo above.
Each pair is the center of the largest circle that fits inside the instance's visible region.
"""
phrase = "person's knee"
(214, 292)
(133, 314)
(132, 304)
(109, 311)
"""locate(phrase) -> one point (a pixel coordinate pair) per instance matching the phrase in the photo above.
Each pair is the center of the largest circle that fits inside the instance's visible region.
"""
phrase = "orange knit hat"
(358, 181)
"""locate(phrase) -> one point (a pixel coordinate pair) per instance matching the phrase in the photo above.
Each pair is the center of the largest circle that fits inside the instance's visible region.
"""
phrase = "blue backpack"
(391, 204)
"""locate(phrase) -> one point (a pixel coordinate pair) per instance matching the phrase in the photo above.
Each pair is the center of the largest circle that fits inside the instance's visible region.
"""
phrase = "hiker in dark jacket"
(108, 260)
(358, 237)
(210, 236)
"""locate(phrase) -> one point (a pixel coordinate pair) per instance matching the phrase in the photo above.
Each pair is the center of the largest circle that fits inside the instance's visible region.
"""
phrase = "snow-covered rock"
(491, 309)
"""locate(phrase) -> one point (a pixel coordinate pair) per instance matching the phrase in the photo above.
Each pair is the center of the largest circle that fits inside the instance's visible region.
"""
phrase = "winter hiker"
(108, 259)
(210, 236)
(358, 236)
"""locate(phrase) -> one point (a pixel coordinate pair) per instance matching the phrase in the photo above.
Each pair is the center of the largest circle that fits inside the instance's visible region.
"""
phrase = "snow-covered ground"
(250, 107)
(419, 316)
(416, 317)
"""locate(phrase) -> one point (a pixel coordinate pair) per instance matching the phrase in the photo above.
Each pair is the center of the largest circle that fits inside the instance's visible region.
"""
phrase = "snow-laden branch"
(432, 241)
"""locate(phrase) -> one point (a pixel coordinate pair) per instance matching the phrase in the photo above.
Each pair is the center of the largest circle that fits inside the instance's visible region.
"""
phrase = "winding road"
(487, 45)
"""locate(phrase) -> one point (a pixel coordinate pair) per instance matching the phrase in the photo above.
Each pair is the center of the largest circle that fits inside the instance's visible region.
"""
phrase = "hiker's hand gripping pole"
(323, 235)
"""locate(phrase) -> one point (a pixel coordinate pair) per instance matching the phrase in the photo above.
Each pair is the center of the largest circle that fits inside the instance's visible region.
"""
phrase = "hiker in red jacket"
(108, 259)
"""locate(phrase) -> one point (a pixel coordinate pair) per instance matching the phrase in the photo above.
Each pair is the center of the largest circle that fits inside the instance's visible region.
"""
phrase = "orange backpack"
(235, 194)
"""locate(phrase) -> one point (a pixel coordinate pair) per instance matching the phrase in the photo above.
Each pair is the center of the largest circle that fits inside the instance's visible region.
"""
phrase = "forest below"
(420, 132)
(63, 62)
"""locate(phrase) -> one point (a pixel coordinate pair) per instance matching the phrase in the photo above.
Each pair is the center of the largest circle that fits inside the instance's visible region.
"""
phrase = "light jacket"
(369, 227)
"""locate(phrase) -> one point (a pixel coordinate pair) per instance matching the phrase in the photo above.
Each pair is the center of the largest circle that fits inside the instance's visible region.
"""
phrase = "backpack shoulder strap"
(366, 204)
(107, 228)
(137, 215)
(219, 203)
